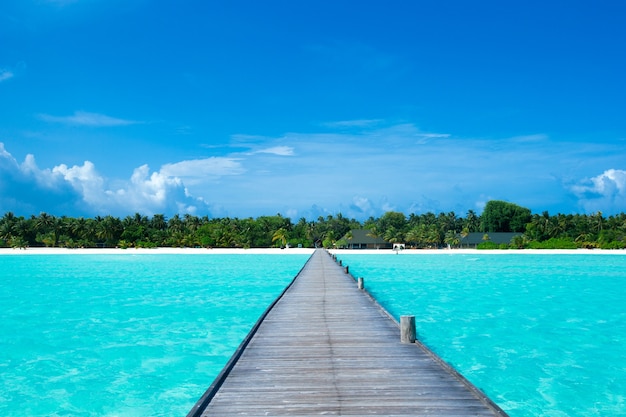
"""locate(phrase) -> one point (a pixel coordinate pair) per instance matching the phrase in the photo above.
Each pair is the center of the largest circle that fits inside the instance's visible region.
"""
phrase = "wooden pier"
(325, 347)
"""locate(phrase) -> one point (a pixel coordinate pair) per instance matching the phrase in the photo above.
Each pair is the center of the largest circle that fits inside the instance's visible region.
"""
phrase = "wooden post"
(347, 269)
(359, 283)
(340, 263)
(407, 329)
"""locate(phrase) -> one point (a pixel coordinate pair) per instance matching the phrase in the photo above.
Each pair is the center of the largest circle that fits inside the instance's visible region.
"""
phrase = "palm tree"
(394, 235)
(329, 239)
(191, 223)
(175, 224)
(18, 242)
(452, 238)
(7, 226)
(109, 229)
(50, 228)
(20, 233)
(44, 222)
(432, 236)
(519, 241)
(78, 229)
(596, 221)
(373, 233)
(415, 235)
(158, 222)
(472, 221)
(281, 236)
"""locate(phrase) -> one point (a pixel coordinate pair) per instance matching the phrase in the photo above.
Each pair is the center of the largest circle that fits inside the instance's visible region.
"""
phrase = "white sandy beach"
(300, 251)
(479, 252)
(155, 251)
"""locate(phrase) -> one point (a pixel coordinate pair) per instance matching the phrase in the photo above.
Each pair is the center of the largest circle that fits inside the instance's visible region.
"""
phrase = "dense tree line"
(417, 230)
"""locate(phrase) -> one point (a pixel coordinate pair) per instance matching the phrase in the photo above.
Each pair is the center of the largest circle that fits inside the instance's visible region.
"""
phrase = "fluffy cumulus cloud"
(359, 174)
(361, 205)
(81, 190)
(605, 192)
(151, 192)
(25, 189)
(84, 179)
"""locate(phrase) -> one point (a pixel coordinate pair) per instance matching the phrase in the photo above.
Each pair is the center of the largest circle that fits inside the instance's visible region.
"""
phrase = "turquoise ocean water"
(542, 335)
(126, 335)
(144, 335)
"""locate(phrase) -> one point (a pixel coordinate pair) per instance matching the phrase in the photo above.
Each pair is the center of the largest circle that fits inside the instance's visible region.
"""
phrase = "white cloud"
(9, 72)
(44, 178)
(203, 168)
(4, 153)
(399, 167)
(388, 207)
(358, 174)
(361, 205)
(432, 135)
(149, 192)
(27, 187)
(610, 182)
(145, 192)
(605, 192)
(258, 145)
(5, 75)
(85, 180)
(81, 118)
(277, 150)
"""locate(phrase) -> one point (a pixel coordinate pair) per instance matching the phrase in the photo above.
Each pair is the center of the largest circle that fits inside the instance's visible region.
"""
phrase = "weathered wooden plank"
(326, 348)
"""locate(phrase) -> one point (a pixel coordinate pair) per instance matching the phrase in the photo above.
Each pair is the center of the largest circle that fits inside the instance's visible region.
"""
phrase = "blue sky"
(248, 108)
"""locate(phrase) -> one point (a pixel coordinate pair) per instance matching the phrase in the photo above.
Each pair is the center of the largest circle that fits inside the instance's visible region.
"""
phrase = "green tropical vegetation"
(427, 230)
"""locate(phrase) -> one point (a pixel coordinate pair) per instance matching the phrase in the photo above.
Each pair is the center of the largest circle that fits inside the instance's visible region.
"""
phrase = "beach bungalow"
(361, 239)
(472, 240)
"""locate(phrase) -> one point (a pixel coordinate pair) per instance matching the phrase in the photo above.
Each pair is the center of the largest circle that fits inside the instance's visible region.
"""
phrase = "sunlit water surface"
(126, 335)
(542, 335)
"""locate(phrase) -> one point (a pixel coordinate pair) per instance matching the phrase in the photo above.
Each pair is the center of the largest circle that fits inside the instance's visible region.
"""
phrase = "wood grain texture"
(326, 348)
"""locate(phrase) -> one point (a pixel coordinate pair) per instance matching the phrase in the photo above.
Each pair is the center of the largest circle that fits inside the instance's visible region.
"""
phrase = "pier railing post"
(407, 329)
(359, 283)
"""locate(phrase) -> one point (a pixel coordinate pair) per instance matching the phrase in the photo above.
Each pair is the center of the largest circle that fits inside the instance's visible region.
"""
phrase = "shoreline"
(411, 252)
(155, 251)
(299, 251)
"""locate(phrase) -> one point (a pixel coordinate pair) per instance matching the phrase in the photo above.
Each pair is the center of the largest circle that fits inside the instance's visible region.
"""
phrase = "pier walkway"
(326, 348)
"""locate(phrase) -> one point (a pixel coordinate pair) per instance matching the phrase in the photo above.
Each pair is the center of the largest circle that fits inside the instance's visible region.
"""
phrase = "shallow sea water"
(126, 335)
(541, 335)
